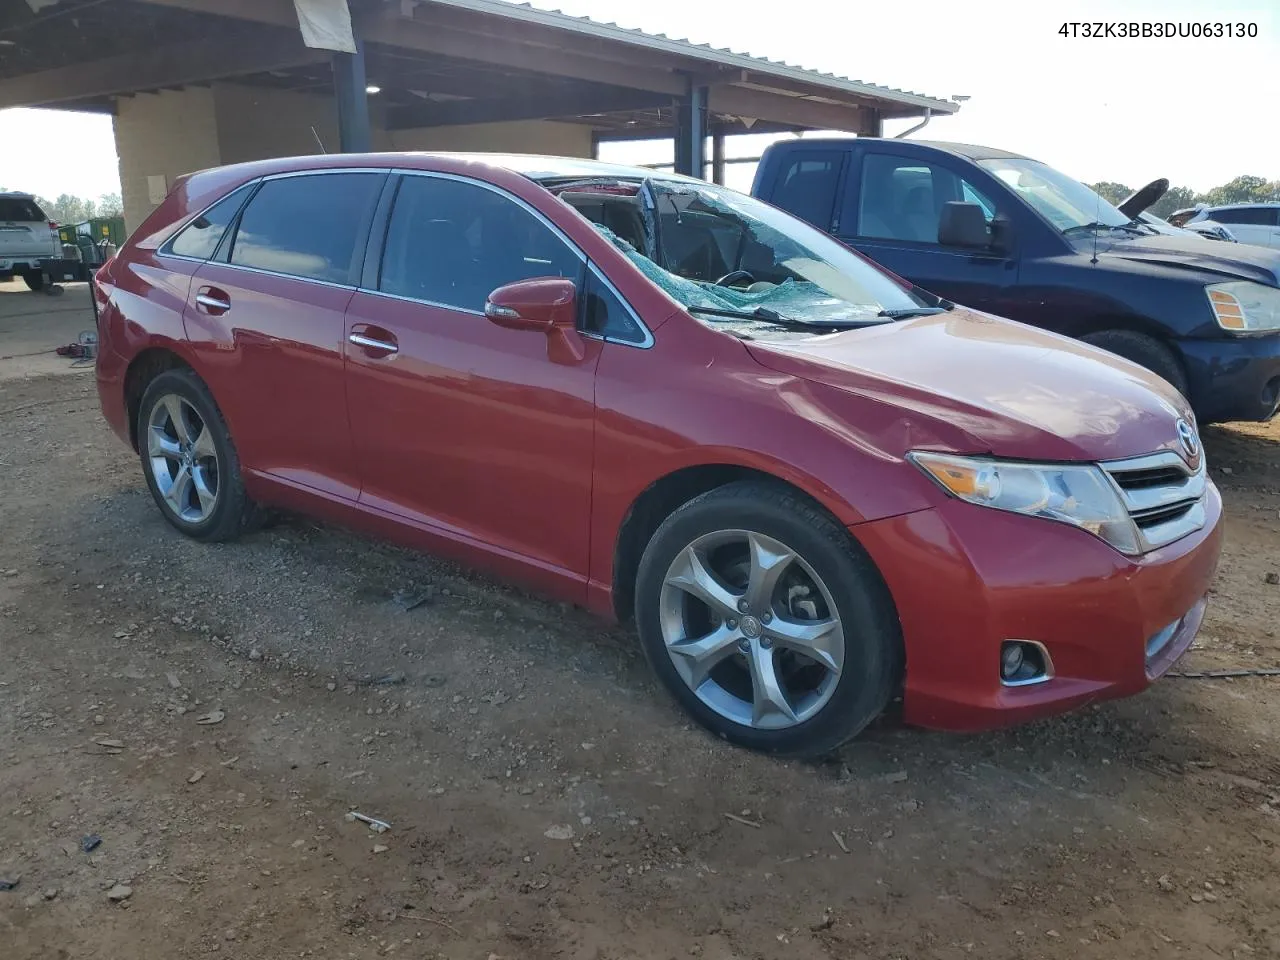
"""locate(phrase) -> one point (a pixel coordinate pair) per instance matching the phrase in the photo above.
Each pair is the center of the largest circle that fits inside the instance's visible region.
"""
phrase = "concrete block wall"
(160, 136)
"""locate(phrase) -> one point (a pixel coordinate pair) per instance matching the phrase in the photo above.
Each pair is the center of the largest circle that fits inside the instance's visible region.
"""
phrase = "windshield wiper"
(1095, 227)
(770, 316)
(906, 313)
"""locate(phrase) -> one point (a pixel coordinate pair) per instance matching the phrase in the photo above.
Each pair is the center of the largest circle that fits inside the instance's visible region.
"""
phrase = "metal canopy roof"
(439, 63)
(526, 13)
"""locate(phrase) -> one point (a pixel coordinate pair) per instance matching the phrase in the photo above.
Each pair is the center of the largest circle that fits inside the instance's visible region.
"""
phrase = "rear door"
(268, 314)
(891, 212)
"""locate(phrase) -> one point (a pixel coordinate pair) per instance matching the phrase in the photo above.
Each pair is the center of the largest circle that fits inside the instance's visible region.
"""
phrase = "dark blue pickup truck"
(1012, 236)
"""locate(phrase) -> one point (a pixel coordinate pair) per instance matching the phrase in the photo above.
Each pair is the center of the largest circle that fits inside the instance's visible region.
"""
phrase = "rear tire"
(752, 587)
(190, 462)
(1145, 351)
(34, 280)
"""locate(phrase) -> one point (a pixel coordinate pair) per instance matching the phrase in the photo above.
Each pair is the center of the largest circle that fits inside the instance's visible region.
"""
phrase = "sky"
(1198, 111)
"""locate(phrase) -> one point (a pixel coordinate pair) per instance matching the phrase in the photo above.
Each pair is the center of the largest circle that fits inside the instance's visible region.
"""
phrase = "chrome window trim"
(282, 276)
(647, 340)
(426, 303)
(160, 247)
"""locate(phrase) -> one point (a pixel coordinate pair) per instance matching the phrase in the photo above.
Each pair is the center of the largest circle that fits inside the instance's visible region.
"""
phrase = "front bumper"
(1233, 378)
(966, 578)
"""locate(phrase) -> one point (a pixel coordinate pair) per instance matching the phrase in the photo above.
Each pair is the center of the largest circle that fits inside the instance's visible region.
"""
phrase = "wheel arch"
(661, 498)
(142, 369)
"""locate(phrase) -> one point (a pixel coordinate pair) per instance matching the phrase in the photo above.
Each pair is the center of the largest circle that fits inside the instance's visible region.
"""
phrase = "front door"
(268, 313)
(463, 427)
(893, 218)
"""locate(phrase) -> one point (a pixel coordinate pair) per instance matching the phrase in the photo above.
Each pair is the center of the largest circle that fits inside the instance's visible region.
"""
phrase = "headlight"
(1243, 306)
(1079, 495)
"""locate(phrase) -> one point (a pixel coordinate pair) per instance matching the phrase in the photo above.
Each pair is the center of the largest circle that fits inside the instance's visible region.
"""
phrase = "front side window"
(453, 243)
(307, 226)
(902, 198)
(605, 314)
(200, 238)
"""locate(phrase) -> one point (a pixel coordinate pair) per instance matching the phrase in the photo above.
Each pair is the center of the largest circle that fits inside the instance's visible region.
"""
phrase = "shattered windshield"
(715, 249)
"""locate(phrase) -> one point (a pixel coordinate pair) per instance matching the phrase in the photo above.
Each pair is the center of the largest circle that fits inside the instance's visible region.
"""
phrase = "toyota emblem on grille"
(1187, 437)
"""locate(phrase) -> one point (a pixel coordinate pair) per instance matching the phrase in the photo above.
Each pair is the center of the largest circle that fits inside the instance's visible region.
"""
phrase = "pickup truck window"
(807, 185)
(901, 198)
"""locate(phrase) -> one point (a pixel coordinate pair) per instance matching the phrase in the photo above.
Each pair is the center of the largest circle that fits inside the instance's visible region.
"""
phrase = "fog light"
(1010, 660)
(1024, 662)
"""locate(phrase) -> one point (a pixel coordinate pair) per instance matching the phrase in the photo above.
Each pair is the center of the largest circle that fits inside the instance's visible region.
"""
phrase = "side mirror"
(542, 304)
(963, 225)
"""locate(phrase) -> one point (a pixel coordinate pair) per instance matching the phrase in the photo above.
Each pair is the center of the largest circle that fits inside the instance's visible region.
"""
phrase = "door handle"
(369, 343)
(213, 301)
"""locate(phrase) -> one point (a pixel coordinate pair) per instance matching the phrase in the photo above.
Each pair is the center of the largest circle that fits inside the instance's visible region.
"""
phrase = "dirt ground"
(545, 798)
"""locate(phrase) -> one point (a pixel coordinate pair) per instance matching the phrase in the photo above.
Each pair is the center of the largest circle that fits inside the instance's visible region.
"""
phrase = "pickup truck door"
(891, 207)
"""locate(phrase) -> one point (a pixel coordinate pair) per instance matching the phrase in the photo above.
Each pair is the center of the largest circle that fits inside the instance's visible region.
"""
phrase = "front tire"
(766, 621)
(189, 460)
(1143, 350)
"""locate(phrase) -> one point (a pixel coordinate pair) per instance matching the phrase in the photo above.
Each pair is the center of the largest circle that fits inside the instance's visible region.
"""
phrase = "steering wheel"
(730, 278)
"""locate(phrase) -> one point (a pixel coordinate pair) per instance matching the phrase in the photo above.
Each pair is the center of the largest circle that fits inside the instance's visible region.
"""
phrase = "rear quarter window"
(18, 208)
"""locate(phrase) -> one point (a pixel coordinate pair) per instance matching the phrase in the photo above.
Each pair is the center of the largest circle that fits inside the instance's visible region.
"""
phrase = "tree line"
(72, 209)
(1243, 189)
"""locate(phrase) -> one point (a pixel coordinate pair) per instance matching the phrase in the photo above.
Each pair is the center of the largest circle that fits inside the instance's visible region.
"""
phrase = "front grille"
(1164, 496)
(1143, 479)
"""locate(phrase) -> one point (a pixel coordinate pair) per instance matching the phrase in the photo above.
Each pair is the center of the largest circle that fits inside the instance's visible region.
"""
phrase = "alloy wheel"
(184, 459)
(751, 629)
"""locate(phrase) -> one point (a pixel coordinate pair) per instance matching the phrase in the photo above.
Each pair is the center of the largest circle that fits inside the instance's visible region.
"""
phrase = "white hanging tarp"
(326, 25)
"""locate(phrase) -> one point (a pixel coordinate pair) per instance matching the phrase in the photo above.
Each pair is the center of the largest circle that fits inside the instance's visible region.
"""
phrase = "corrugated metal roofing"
(702, 51)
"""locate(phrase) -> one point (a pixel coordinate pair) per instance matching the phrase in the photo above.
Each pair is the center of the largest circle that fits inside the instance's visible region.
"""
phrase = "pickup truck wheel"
(1143, 350)
(189, 461)
(34, 279)
(766, 621)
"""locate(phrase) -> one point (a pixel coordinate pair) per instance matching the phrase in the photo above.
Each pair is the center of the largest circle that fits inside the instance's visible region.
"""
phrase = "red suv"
(813, 486)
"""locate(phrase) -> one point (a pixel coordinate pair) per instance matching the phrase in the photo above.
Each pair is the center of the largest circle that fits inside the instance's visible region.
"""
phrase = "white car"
(1205, 228)
(1257, 223)
(29, 244)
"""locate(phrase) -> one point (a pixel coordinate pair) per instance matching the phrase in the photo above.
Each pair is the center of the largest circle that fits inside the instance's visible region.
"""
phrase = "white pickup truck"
(29, 244)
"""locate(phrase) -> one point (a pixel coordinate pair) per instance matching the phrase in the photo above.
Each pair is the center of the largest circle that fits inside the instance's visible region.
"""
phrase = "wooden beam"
(177, 65)
(577, 104)
(797, 111)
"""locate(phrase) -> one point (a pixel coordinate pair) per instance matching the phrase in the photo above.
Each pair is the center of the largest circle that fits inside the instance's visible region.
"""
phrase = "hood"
(1213, 259)
(1140, 200)
(972, 383)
